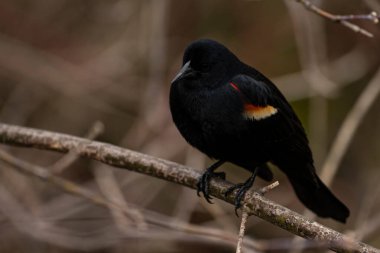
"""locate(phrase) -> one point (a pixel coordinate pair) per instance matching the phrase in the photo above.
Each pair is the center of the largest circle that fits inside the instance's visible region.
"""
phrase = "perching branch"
(123, 158)
(343, 19)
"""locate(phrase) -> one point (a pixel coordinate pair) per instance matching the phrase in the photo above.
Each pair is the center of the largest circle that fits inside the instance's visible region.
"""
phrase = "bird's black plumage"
(233, 113)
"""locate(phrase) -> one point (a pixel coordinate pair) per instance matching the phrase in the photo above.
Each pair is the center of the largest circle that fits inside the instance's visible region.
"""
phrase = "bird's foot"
(242, 189)
(203, 184)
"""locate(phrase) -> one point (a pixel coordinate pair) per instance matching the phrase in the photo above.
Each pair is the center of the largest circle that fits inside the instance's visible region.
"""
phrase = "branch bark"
(123, 158)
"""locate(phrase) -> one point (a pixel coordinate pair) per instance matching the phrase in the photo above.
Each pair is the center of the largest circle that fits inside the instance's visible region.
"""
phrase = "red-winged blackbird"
(233, 113)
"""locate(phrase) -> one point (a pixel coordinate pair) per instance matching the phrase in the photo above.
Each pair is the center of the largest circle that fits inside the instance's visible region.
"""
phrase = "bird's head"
(207, 60)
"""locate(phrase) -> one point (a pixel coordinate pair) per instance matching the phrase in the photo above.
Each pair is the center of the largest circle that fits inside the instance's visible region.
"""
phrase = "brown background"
(66, 64)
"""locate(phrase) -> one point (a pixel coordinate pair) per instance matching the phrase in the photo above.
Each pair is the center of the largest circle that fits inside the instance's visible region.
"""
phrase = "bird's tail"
(315, 195)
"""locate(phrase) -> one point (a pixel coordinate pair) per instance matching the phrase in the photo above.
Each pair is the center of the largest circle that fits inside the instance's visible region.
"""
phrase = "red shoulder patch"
(234, 86)
(252, 111)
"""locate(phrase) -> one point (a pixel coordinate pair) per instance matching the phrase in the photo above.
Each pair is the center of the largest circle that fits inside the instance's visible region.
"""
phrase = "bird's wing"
(261, 99)
(267, 112)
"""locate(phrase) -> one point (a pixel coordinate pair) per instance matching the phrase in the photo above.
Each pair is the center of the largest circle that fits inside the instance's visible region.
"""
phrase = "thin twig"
(267, 188)
(111, 190)
(244, 218)
(343, 19)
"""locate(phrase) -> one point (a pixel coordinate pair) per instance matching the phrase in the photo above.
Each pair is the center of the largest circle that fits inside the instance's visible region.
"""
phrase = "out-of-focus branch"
(373, 4)
(70, 187)
(112, 155)
(343, 19)
(349, 127)
(296, 86)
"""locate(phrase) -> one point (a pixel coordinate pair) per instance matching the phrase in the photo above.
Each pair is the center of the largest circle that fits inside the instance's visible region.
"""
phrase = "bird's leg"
(242, 189)
(204, 181)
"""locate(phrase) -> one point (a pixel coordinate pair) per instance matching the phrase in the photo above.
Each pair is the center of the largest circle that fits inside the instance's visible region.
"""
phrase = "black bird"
(233, 113)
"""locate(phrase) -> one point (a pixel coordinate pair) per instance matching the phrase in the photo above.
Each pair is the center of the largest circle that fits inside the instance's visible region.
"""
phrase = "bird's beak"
(183, 70)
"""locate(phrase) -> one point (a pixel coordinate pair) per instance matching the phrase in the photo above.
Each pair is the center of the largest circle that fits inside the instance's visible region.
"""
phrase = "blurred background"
(102, 70)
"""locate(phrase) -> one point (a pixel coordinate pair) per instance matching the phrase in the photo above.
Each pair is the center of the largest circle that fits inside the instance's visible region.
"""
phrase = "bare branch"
(123, 158)
(244, 218)
(267, 188)
(343, 19)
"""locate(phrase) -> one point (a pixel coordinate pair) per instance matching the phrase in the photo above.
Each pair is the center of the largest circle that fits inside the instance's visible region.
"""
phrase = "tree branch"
(123, 158)
(343, 19)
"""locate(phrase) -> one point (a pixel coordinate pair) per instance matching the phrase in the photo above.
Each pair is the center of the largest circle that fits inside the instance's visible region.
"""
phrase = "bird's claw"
(242, 189)
(232, 189)
(203, 184)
